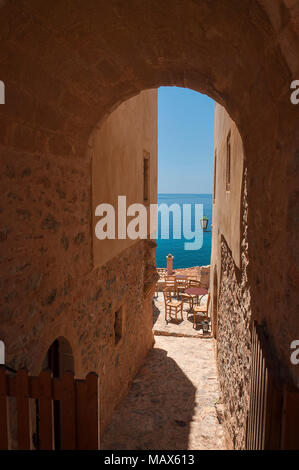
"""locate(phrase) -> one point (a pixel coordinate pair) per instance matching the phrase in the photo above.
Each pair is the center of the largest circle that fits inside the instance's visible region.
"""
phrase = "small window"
(146, 172)
(118, 325)
(2, 92)
(228, 162)
(215, 176)
(2, 352)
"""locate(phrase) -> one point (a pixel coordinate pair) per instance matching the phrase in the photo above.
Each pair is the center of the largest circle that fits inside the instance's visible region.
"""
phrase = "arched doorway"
(59, 359)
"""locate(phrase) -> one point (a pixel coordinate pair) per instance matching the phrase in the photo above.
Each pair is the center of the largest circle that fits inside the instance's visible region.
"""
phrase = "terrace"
(184, 326)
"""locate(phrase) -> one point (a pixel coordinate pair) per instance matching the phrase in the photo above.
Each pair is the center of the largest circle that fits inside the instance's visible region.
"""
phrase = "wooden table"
(196, 292)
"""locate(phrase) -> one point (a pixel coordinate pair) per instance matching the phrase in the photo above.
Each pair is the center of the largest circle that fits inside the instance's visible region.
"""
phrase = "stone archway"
(65, 68)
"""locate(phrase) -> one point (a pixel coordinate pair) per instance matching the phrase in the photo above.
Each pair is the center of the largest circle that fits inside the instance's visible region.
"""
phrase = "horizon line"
(190, 194)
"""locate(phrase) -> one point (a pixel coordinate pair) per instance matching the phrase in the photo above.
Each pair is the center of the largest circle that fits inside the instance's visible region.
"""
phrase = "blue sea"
(185, 258)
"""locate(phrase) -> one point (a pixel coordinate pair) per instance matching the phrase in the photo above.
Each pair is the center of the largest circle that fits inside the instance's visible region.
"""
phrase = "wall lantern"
(204, 223)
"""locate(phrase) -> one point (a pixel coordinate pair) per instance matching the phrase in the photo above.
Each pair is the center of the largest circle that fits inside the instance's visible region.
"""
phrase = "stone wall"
(231, 309)
(82, 310)
(234, 335)
(204, 276)
(50, 286)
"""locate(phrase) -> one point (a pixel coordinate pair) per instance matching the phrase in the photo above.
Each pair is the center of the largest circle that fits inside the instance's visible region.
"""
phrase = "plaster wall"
(118, 148)
(227, 204)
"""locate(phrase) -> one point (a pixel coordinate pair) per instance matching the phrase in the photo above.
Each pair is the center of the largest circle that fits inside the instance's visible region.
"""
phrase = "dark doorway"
(59, 359)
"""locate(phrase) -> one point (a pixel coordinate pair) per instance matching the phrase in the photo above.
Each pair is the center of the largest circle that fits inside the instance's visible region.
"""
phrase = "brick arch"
(84, 60)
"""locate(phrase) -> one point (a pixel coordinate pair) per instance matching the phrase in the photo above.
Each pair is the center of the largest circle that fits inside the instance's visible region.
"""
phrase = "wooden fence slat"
(57, 389)
(81, 440)
(33, 387)
(22, 395)
(253, 389)
(249, 418)
(78, 401)
(261, 399)
(256, 428)
(3, 410)
(258, 397)
(274, 400)
(256, 394)
(87, 413)
(11, 386)
(274, 416)
(92, 399)
(45, 411)
(264, 417)
(290, 435)
(68, 411)
(254, 405)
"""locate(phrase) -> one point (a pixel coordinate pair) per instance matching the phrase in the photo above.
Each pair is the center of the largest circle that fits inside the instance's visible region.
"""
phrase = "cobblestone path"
(171, 403)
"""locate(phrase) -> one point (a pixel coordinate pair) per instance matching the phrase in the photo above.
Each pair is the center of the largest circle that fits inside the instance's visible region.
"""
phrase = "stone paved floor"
(182, 328)
(171, 403)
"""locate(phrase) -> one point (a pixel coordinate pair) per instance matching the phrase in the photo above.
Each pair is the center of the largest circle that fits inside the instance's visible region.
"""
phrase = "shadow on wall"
(156, 313)
(155, 414)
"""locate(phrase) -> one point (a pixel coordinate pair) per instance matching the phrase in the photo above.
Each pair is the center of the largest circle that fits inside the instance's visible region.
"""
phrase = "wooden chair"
(193, 283)
(170, 281)
(172, 305)
(181, 285)
(201, 312)
(187, 298)
(160, 286)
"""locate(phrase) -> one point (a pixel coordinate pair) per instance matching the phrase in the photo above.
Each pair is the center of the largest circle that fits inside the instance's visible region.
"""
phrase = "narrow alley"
(172, 402)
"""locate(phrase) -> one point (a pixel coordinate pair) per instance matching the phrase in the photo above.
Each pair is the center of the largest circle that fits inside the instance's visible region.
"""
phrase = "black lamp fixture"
(204, 223)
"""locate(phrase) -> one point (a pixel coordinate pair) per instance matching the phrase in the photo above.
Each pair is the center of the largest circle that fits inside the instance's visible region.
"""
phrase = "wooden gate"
(79, 424)
(274, 401)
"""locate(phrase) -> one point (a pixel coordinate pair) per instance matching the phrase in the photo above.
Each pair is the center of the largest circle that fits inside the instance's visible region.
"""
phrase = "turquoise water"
(185, 258)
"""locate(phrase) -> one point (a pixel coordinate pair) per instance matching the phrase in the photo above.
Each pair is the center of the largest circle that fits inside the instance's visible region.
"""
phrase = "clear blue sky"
(185, 141)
